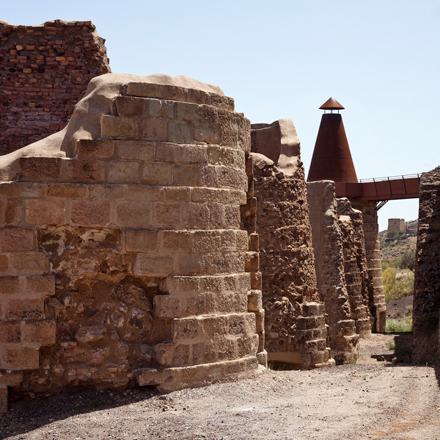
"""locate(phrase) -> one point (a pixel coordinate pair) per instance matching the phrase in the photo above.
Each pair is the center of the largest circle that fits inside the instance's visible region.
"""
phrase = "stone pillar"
(330, 270)
(372, 248)
(426, 313)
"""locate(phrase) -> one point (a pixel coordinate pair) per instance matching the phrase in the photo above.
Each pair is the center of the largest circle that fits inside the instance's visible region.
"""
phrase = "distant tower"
(332, 158)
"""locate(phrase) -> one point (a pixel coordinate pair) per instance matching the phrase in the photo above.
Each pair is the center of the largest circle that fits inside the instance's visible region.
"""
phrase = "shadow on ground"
(28, 414)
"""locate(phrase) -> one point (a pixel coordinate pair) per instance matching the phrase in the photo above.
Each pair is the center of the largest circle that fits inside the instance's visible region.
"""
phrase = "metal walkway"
(381, 188)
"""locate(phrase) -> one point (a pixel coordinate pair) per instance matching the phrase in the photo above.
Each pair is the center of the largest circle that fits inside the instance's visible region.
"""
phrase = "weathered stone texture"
(295, 326)
(128, 260)
(426, 310)
(328, 246)
(44, 70)
(359, 285)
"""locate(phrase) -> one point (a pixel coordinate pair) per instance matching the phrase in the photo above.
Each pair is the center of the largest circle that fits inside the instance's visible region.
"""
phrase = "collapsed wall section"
(295, 327)
(44, 71)
(426, 312)
(127, 262)
(328, 246)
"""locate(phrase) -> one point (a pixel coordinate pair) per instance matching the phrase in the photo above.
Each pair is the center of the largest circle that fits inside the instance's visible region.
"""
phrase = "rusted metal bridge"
(380, 188)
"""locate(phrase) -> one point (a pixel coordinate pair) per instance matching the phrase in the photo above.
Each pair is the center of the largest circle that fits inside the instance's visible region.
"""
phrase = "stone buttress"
(124, 259)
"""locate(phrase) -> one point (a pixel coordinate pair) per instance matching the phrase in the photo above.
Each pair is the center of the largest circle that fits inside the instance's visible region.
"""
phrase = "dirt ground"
(370, 400)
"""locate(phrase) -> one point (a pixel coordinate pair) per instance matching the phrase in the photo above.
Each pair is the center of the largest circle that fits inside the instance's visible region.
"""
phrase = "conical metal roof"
(331, 104)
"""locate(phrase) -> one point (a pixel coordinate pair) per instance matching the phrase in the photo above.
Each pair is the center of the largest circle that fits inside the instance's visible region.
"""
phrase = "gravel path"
(369, 400)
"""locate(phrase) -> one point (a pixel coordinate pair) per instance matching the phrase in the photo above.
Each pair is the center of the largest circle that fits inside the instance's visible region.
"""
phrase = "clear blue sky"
(283, 59)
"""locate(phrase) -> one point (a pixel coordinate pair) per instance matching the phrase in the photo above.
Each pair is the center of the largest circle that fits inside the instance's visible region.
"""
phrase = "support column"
(372, 247)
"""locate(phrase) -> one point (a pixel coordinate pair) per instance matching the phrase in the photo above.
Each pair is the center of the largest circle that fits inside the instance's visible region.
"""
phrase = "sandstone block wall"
(372, 249)
(295, 324)
(328, 246)
(426, 311)
(359, 285)
(44, 71)
(127, 261)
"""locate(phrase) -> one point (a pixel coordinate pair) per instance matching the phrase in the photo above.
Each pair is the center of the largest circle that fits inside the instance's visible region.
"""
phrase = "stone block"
(23, 358)
(168, 306)
(183, 284)
(168, 152)
(186, 175)
(134, 214)
(66, 190)
(90, 213)
(123, 172)
(160, 91)
(259, 320)
(196, 216)
(168, 214)
(179, 194)
(25, 309)
(28, 263)
(232, 218)
(252, 261)
(206, 241)
(4, 264)
(127, 106)
(152, 129)
(84, 171)
(116, 127)
(41, 332)
(11, 212)
(202, 304)
(179, 131)
(40, 168)
(255, 300)
(161, 108)
(10, 332)
(41, 285)
(194, 154)
(17, 240)
(191, 264)
(207, 133)
(241, 324)
(154, 266)
(141, 241)
(43, 212)
(96, 148)
(107, 192)
(237, 197)
(143, 193)
(203, 353)
(22, 189)
(176, 241)
(135, 150)
(157, 174)
(9, 285)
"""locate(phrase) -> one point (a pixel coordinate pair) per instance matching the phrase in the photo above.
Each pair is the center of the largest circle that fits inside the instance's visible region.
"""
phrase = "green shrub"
(395, 326)
(391, 234)
(394, 287)
(407, 260)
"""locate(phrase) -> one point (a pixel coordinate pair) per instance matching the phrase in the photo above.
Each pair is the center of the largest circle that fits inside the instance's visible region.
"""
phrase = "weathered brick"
(96, 148)
(107, 192)
(167, 306)
(23, 358)
(90, 213)
(11, 212)
(196, 215)
(40, 168)
(160, 108)
(45, 212)
(134, 214)
(173, 194)
(115, 127)
(66, 190)
(127, 106)
(168, 214)
(22, 189)
(206, 241)
(10, 332)
(179, 131)
(16, 240)
(4, 263)
(9, 285)
(156, 91)
(123, 172)
(183, 284)
(41, 332)
(25, 309)
(157, 174)
(141, 241)
(85, 171)
(142, 193)
(186, 175)
(152, 129)
(44, 285)
(176, 240)
(135, 150)
(155, 266)
(28, 263)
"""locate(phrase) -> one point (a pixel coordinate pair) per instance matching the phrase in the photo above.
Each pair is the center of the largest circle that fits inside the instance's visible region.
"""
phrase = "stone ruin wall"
(328, 246)
(126, 262)
(44, 71)
(426, 311)
(295, 327)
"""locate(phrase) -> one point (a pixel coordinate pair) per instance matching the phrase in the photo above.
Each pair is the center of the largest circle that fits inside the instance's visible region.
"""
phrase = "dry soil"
(370, 400)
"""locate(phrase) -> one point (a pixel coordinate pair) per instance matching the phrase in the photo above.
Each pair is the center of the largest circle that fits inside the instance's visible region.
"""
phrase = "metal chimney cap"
(331, 104)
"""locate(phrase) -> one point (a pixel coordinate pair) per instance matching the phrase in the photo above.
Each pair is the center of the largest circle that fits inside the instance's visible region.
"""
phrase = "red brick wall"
(44, 70)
